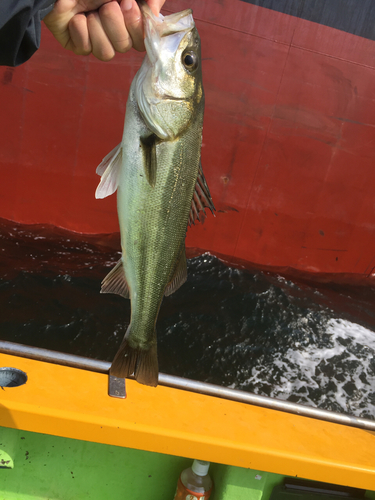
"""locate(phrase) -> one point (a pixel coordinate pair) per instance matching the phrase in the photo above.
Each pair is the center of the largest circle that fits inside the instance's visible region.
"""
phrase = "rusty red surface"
(288, 146)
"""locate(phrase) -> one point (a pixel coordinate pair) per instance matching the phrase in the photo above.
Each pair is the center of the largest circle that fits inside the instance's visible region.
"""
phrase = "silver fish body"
(160, 185)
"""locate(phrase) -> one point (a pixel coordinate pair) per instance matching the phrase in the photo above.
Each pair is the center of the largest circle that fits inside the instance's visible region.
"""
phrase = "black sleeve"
(20, 26)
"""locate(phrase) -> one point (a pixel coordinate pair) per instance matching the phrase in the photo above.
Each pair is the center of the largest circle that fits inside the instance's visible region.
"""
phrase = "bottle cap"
(200, 468)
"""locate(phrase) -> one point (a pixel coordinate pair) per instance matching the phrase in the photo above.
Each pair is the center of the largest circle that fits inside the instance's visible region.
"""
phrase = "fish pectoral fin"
(149, 158)
(179, 276)
(201, 199)
(109, 171)
(115, 281)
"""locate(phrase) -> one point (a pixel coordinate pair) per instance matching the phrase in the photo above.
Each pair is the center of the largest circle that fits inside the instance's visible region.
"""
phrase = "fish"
(157, 173)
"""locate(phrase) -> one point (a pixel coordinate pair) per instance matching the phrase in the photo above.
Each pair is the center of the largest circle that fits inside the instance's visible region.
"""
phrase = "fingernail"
(127, 4)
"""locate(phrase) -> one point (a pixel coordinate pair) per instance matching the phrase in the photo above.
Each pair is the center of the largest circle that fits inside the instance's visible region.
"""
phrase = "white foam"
(347, 354)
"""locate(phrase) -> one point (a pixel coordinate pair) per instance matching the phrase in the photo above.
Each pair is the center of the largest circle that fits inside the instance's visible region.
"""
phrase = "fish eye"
(190, 60)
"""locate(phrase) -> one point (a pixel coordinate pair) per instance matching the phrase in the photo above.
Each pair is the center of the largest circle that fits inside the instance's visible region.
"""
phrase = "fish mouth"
(174, 26)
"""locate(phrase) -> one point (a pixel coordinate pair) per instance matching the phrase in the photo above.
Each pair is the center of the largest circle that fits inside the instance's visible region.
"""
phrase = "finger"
(114, 27)
(134, 23)
(156, 5)
(79, 35)
(79, 6)
(58, 27)
(101, 45)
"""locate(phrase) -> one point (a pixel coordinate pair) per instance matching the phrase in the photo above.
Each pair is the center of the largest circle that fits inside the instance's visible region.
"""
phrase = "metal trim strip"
(81, 362)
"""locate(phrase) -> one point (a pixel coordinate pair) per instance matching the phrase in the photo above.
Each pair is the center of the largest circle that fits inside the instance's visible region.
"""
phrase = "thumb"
(155, 5)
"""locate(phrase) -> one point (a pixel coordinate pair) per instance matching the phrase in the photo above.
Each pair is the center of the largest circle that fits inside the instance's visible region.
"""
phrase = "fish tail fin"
(147, 367)
(142, 362)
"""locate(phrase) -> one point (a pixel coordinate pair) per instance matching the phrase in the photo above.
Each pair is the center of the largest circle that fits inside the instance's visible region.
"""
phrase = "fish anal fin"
(148, 145)
(179, 276)
(109, 170)
(201, 199)
(115, 281)
(142, 362)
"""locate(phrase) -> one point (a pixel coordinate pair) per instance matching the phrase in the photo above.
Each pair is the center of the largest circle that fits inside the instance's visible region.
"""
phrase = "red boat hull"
(288, 146)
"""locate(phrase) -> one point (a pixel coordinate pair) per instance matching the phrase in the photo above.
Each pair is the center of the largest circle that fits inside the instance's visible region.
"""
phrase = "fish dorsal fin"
(179, 276)
(115, 281)
(149, 158)
(201, 199)
(109, 171)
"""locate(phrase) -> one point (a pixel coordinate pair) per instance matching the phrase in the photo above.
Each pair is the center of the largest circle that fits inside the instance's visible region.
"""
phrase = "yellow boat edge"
(74, 403)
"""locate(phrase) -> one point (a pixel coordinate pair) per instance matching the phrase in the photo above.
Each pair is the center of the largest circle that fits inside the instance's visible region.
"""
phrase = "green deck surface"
(49, 467)
(39, 466)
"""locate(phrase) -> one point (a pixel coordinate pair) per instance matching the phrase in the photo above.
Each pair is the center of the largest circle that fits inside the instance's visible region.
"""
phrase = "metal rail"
(190, 385)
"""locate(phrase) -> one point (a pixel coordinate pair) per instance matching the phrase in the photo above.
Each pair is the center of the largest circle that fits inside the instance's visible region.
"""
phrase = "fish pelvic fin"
(179, 276)
(115, 281)
(201, 199)
(109, 171)
(142, 362)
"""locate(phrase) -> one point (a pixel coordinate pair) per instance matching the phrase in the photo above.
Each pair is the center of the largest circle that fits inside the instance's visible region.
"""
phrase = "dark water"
(249, 330)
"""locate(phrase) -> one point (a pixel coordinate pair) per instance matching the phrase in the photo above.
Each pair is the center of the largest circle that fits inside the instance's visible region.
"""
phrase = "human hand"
(100, 27)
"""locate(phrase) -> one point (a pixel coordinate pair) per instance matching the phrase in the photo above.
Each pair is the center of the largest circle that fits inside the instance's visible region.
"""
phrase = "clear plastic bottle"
(194, 483)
